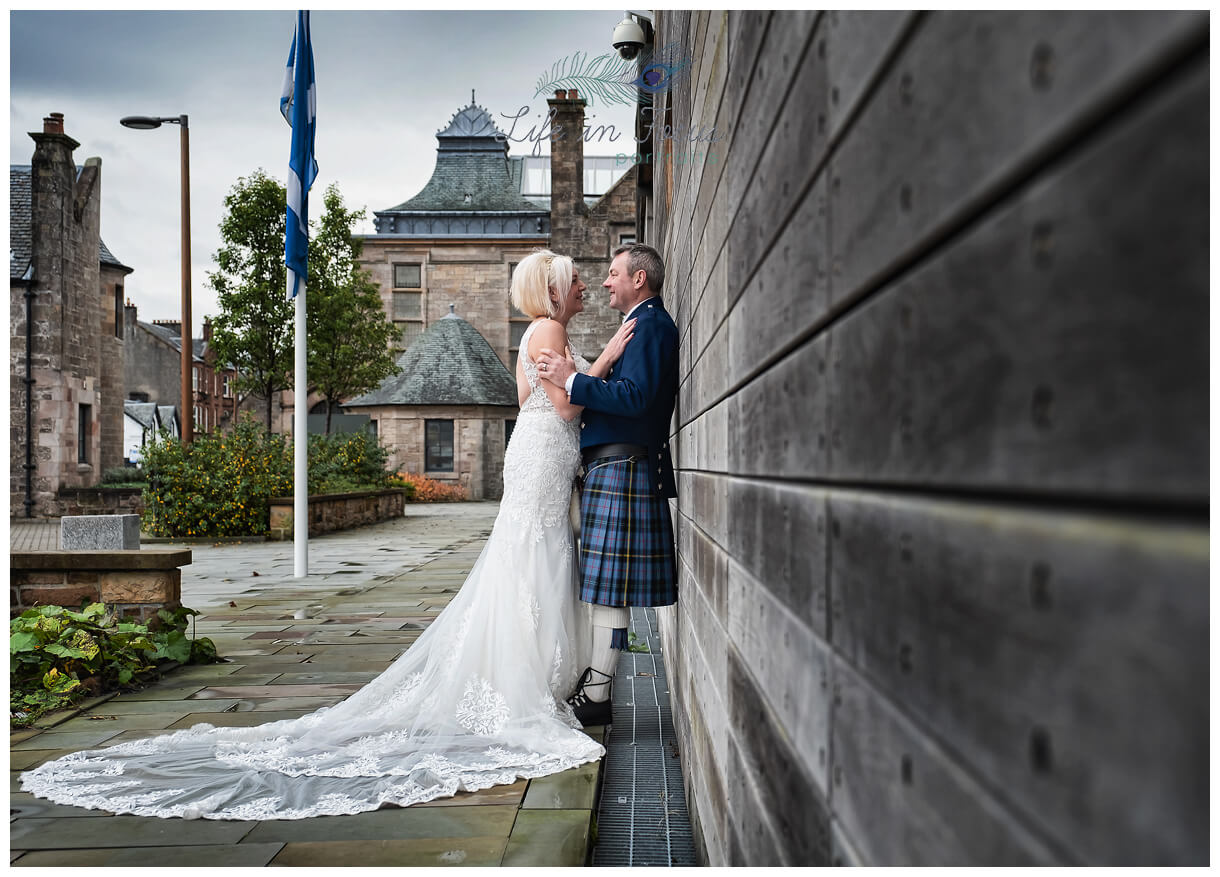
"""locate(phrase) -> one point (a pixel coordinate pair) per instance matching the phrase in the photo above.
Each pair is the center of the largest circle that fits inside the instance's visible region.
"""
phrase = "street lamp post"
(146, 123)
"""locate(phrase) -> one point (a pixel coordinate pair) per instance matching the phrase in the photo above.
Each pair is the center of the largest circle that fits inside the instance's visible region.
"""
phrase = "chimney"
(567, 170)
(53, 124)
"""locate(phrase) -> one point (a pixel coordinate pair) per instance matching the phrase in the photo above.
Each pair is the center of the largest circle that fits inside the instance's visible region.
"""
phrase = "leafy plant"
(57, 655)
(635, 644)
(221, 485)
(425, 489)
(123, 476)
(347, 461)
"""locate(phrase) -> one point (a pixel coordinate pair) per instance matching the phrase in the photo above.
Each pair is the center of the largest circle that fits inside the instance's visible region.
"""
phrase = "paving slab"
(90, 832)
(572, 789)
(427, 852)
(392, 823)
(69, 740)
(209, 856)
(246, 719)
(507, 794)
(548, 837)
(246, 692)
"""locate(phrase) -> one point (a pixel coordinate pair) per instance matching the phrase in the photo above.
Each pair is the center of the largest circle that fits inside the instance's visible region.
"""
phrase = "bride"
(477, 701)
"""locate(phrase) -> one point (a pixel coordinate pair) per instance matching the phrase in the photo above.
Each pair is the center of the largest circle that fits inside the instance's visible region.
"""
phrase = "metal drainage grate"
(642, 819)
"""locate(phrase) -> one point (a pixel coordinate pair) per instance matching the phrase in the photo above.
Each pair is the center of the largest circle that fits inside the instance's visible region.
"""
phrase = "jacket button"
(582, 426)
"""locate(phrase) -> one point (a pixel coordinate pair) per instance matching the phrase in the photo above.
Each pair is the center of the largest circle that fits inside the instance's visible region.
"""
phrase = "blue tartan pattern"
(626, 537)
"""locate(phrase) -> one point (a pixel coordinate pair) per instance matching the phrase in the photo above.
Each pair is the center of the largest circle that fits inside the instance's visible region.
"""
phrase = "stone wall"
(134, 583)
(153, 367)
(478, 443)
(99, 501)
(337, 511)
(73, 361)
(942, 436)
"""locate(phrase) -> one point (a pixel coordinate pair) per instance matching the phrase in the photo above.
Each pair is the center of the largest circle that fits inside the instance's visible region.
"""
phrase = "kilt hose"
(626, 537)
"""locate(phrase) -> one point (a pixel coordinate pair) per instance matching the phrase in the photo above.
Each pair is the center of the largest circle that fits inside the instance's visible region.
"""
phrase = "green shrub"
(222, 485)
(57, 656)
(344, 462)
(219, 486)
(123, 476)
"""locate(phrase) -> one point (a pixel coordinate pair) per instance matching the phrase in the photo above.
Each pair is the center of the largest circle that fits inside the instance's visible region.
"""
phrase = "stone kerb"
(130, 582)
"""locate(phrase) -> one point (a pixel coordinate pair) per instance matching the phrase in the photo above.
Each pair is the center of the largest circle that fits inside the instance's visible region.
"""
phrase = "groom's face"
(623, 293)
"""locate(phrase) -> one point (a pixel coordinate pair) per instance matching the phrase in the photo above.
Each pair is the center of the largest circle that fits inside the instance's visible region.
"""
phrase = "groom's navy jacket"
(636, 402)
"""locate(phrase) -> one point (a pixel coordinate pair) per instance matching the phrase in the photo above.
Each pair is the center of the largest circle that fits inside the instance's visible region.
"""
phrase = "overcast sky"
(386, 83)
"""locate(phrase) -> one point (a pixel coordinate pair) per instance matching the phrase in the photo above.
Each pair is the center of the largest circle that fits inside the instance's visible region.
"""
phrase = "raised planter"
(329, 512)
(131, 583)
(73, 501)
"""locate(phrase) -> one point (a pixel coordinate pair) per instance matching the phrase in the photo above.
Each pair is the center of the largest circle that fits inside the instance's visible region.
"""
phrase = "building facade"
(448, 411)
(452, 247)
(66, 328)
(942, 435)
(153, 369)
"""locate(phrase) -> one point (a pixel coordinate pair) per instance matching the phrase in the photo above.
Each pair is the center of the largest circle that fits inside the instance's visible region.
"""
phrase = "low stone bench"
(131, 583)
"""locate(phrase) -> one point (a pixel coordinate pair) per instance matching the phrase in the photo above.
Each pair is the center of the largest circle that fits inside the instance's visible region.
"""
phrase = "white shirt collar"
(634, 309)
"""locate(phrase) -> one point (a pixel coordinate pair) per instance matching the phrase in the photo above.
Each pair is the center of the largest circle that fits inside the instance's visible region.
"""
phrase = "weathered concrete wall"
(942, 435)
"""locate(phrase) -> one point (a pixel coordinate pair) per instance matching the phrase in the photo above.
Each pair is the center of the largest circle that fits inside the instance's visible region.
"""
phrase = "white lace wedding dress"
(477, 701)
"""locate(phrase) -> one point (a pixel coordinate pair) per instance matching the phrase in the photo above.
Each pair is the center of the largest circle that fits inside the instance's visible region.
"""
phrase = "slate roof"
(471, 159)
(144, 412)
(21, 236)
(173, 339)
(450, 363)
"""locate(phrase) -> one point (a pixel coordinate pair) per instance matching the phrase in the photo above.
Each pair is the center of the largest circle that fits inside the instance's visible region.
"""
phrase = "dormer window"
(467, 199)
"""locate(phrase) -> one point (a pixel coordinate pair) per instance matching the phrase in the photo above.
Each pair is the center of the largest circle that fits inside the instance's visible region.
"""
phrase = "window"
(195, 379)
(118, 310)
(227, 387)
(625, 239)
(407, 301)
(438, 445)
(508, 431)
(84, 418)
(517, 324)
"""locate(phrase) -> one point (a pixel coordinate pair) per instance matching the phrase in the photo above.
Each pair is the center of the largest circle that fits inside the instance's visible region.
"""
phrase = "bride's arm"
(551, 334)
(614, 349)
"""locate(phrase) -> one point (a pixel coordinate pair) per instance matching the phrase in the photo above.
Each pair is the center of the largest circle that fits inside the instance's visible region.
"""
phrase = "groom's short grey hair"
(642, 257)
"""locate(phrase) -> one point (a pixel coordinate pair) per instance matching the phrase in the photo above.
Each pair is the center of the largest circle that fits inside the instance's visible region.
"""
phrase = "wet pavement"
(294, 646)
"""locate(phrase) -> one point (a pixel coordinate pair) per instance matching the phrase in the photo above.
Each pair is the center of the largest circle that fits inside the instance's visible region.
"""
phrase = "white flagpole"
(300, 438)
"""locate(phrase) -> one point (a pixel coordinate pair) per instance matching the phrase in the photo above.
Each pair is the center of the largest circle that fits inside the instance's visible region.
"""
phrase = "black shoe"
(591, 712)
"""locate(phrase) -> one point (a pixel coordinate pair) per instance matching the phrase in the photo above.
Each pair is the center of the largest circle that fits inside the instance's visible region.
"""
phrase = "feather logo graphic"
(614, 80)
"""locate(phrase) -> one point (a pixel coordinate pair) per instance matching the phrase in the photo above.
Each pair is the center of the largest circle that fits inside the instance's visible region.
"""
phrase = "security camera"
(629, 38)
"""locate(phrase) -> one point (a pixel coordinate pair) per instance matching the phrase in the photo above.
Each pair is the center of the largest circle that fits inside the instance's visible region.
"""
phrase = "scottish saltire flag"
(299, 109)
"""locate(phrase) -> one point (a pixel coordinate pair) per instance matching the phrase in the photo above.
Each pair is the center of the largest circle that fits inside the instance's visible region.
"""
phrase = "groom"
(627, 544)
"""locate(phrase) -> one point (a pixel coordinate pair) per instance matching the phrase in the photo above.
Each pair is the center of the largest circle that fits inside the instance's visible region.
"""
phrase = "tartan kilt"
(626, 537)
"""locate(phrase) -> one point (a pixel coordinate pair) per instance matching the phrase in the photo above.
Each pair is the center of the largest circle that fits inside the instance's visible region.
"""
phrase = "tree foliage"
(254, 331)
(349, 334)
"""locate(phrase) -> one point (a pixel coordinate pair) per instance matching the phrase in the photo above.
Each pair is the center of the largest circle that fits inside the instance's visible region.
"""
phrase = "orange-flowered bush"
(430, 490)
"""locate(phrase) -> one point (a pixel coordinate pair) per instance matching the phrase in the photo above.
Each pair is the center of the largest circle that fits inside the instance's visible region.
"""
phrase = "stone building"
(482, 211)
(153, 370)
(448, 412)
(942, 435)
(66, 327)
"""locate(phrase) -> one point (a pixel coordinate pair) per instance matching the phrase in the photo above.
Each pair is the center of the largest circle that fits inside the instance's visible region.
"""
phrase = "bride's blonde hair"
(534, 277)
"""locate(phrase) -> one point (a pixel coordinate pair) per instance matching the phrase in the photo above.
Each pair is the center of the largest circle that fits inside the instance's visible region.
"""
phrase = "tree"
(254, 331)
(349, 335)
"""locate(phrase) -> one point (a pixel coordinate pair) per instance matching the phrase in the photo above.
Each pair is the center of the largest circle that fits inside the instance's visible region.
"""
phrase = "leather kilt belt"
(616, 449)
